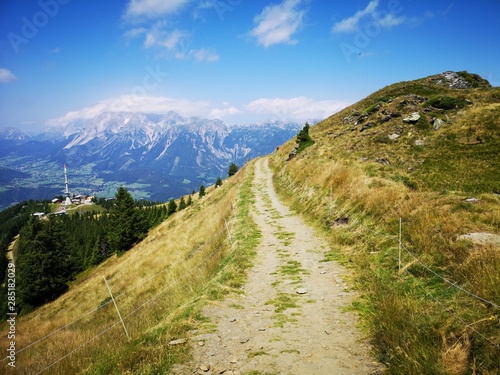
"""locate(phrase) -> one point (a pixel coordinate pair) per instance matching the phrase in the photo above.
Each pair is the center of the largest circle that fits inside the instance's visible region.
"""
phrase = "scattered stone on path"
(204, 367)
(177, 342)
(314, 345)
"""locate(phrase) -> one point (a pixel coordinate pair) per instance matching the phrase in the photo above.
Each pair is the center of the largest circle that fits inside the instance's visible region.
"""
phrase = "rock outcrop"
(413, 118)
(460, 80)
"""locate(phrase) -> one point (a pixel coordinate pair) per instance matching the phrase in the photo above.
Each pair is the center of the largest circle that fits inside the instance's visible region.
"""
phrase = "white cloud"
(299, 108)
(277, 23)
(350, 24)
(158, 37)
(55, 50)
(221, 113)
(383, 19)
(135, 32)
(6, 75)
(153, 8)
(140, 104)
(390, 20)
(171, 43)
(204, 54)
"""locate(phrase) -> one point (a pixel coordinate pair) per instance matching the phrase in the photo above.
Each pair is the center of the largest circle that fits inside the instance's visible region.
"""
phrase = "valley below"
(156, 157)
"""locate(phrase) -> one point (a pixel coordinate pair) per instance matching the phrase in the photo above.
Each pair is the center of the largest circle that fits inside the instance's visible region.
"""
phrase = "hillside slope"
(159, 286)
(452, 143)
(424, 154)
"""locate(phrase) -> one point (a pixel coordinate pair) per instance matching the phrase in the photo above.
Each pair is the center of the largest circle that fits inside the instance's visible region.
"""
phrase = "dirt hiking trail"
(291, 318)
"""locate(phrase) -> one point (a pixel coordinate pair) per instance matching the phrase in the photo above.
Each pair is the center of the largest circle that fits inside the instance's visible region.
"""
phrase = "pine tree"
(303, 139)
(42, 266)
(172, 207)
(127, 223)
(202, 191)
(233, 168)
(218, 182)
(99, 252)
(182, 204)
(190, 201)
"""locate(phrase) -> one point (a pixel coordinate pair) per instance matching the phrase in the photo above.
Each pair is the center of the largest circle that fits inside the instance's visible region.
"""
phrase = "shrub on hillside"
(233, 169)
(303, 139)
(445, 102)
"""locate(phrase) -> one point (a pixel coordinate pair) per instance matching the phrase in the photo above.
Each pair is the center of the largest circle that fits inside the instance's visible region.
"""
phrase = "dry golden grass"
(407, 312)
(456, 356)
(159, 287)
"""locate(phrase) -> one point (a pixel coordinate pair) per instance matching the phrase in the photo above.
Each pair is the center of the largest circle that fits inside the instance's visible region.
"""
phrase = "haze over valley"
(157, 157)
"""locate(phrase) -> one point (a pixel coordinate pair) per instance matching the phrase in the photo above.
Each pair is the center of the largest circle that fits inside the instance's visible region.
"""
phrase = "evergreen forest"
(51, 251)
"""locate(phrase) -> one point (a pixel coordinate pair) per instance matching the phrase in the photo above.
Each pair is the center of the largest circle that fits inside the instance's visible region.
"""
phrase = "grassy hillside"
(371, 166)
(160, 287)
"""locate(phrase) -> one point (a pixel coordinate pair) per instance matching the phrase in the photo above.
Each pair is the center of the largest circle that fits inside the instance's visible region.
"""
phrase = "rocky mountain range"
(156, 156)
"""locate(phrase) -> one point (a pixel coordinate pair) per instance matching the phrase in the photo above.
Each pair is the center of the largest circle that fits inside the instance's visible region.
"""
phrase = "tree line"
(52, 251)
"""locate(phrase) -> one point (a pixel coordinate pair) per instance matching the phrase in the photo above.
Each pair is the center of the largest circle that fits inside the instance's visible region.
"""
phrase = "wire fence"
(197, 267)
(224, 230)
(357, 221)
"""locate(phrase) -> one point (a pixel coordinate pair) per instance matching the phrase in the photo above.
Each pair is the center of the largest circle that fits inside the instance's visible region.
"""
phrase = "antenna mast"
(67, 202)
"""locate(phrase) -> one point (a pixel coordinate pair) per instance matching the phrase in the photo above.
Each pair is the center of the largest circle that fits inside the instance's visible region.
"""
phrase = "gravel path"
(291, 318)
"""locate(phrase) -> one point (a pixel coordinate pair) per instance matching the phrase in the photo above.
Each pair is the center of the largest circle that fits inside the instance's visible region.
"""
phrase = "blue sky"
(238, 60)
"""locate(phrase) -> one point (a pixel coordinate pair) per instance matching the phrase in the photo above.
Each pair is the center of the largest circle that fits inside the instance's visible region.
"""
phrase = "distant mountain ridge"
(157, 156)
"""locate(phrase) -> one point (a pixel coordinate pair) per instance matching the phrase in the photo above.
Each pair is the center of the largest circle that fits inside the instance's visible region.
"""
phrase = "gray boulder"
(413, 118)
(437, 123)
(481, 238)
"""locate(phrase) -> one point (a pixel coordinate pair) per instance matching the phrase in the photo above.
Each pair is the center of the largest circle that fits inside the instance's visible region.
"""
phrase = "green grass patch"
(283, 302)
(257, 353)
(286, 238)
(236, 306)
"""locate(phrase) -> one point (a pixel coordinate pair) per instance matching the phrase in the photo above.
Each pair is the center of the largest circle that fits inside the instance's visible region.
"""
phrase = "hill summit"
(438, 132)
(405, 185)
